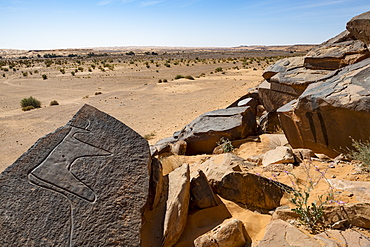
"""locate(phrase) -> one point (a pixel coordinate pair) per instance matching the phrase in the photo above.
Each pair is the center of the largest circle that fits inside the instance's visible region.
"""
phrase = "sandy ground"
(134, 97)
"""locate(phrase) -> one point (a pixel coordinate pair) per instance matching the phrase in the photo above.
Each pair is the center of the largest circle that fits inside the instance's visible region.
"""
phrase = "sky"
(57, 24)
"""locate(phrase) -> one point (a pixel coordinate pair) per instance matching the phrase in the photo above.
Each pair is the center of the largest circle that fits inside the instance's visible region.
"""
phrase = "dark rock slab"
(201, 194)
(359, 26)
(331, 112)
(249, 189)
(202, 134)
(86, 184)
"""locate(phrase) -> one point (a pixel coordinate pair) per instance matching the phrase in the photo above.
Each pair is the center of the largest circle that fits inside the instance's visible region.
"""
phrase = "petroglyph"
(55, 169)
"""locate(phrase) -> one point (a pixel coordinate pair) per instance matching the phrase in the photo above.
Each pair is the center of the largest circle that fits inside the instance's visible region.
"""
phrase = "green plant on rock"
(226, 145)
(30, 103)
(310, 212)
(361, 152)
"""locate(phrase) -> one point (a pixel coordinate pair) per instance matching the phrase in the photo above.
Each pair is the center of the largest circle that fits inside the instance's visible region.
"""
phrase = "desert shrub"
(310, 212)
(159, 81)
(226, 145)
(361, 152)
(164, 80)
(167, 65)
(26, 103)
(131, 53)
(81, 69)
(44, 77)
(218, 69)
(189, 77)
(97, 93)
(25, 74)
(149, 136)
(62, 71)
(179, 77)
(73, 73)
(90, 70)
(3, 74)
(36, 71)
(54, 102)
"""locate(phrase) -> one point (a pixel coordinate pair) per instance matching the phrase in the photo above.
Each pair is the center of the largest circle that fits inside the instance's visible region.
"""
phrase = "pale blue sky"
(51, 24)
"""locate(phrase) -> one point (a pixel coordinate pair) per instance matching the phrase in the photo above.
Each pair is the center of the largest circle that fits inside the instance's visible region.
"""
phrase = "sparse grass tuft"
(361, 152)
(149, 136)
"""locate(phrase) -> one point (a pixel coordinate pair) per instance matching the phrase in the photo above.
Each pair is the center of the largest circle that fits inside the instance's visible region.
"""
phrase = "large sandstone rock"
(281, 233)
(336, 53)
(249, 189)
(86, 184)
(177, 205)
(202, 134)
(359, 26)
(339, 103)
(230, 233)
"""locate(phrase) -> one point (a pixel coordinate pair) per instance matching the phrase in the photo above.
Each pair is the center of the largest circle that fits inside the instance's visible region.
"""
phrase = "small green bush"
(189, 77)
(226, 145)
(179, 77)
(62, 71)
(219, 69)
(31, 101)
(54, 102)
(361, 152)
(159, 81)
(97, 93)
(164, 80)
(44, 77)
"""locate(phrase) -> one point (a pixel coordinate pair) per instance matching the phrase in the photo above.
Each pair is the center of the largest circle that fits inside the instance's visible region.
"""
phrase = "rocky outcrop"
(336, 53)
(203, 134)
(360, 189)
(86, 184)
(346, 238)
(340, 103)
(359, 27)
(230, 233)
(177, 205)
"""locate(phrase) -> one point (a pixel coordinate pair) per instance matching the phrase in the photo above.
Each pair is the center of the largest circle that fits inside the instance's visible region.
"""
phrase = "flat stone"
(279, 155)
(86, 184)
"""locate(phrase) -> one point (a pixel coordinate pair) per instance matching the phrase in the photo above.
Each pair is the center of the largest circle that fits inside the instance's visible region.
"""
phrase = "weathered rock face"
(177, 205)
(201, 192)
(204, 132)
(339, 103)
(336, 53)
(249, 189)
(360, 189)
(86, 184)
(228, 234)
(281, 233)
(359, 26)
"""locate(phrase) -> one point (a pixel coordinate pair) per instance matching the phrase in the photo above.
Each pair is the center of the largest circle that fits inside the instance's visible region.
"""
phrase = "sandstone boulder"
(336, 53)
(359, 27)
(86, 184)
(220, 165)
(281, 233)
(202, 134)
(249, 189)
(279, 155)
(201, 194)
(156, 184)
(177, 205)
(269, 123)
(339, 103)
(282, 66)
(230, 233)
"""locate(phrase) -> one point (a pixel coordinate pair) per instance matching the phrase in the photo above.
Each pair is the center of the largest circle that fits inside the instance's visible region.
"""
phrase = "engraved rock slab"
(86, 184)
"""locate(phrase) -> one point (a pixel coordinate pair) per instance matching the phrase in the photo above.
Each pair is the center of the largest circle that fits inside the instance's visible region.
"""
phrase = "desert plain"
(155, 91)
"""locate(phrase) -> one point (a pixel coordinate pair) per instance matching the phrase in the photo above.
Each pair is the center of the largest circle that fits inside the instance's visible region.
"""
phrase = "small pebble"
(333, 176)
